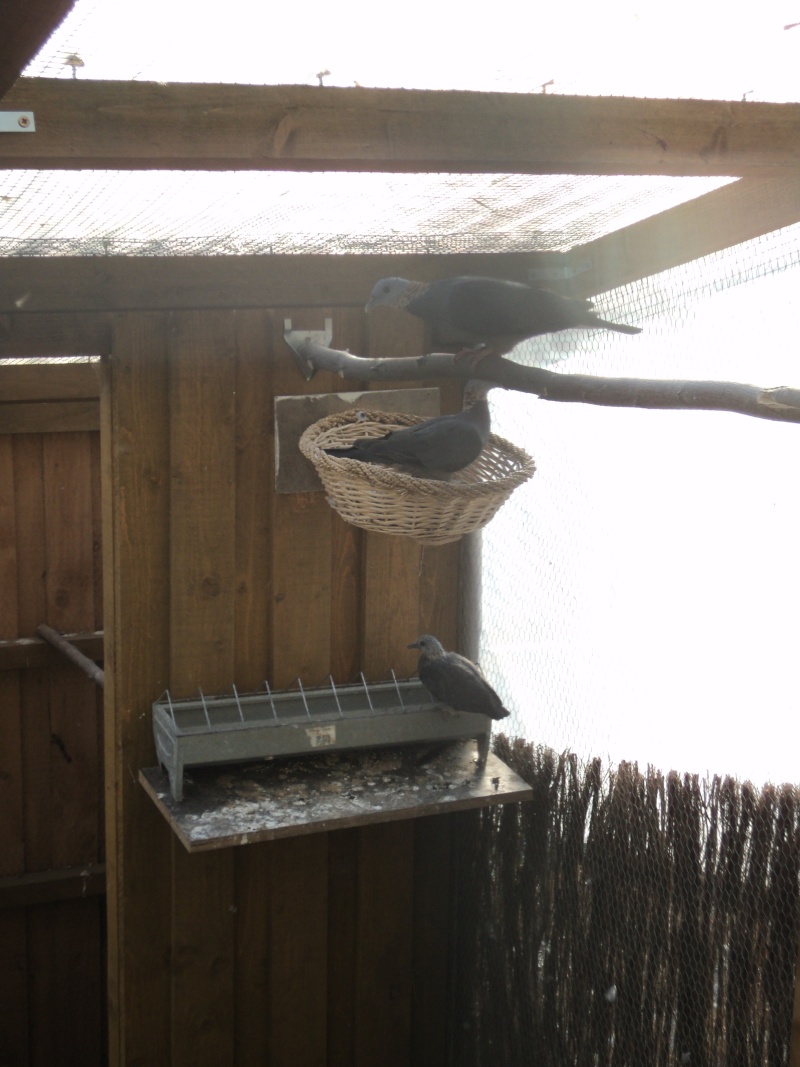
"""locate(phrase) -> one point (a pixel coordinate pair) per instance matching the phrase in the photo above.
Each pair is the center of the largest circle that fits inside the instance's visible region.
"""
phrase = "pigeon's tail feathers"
(501, 713)
(617, 327)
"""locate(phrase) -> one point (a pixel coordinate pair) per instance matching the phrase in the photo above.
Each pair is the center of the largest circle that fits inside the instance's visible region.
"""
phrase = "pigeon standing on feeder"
(458, 682)
(488, 315)
(435, 448)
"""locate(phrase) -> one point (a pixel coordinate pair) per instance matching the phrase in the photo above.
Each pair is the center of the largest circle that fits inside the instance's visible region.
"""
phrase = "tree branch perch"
(780, 403)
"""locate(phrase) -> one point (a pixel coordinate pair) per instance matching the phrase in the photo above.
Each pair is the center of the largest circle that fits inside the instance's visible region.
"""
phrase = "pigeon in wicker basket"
(435, 448)
(458, 682)
(487, 314)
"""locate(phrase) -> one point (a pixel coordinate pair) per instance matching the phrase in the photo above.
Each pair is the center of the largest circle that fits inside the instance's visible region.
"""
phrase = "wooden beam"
(55, 416)
(33, 652)
(738, 212)
(49, 381)
(68, 334)
(47, 887)
(100, 283)
(142, 125)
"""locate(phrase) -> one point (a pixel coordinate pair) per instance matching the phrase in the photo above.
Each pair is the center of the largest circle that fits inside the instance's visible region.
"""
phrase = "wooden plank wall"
(52, 937)
(323, 949)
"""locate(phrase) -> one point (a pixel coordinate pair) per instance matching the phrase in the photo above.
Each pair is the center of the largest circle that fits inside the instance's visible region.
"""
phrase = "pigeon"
(436, 448)
(488, 313)
(458, 682)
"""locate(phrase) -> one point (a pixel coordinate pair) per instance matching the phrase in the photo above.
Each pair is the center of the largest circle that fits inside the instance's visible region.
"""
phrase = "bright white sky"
(683, 48)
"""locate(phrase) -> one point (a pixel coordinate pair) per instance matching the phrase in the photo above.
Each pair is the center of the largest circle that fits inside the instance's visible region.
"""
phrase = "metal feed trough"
(229, 729)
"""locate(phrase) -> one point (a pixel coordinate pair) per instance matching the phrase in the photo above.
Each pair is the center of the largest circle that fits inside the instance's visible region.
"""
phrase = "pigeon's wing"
(456, 681)
(444, 443)
(483, 307)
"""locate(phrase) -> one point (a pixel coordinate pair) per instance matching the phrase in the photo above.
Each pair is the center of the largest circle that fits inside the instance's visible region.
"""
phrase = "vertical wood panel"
(67, 987)
(135, 443)
(384, 956)
(37, 769)
(254, 478)
(432, 930)
(342, 915)
(253, 872)
(298, 963)
(75, 767)
(202, 613)
(68, 531)
(31, 553)
(14, 1031)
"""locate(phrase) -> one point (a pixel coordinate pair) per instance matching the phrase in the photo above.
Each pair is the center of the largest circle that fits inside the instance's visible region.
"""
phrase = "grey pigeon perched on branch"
(456, 681)
(435, 448)
(488, 312)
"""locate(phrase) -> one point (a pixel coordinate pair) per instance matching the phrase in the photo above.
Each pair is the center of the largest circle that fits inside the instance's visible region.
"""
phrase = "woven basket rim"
(460, 487)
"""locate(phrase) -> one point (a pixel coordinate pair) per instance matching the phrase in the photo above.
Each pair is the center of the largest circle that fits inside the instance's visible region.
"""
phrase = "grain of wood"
(253, 488)
(68, 531)
(298, 1012)
(50, 416)
(384, 939)
(108, 124)
(136, 486)
(49, 381)
(201, 610)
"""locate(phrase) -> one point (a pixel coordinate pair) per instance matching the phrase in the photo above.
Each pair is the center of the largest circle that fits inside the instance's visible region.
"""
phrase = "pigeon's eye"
(387, 288)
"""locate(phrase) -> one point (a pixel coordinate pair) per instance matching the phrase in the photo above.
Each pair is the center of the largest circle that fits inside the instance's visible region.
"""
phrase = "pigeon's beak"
(414, 645)
(370, 304)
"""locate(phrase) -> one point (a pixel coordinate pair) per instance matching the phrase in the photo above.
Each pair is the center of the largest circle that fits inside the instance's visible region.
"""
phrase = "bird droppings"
(280, 798)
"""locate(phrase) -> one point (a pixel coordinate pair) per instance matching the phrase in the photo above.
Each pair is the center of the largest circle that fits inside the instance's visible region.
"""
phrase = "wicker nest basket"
(391, 502)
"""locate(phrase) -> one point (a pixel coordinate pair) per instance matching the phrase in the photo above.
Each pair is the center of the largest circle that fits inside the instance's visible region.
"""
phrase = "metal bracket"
(17, 122)
(294, 338)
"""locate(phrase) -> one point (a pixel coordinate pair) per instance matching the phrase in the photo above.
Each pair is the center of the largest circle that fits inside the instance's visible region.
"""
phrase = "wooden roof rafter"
(142, 125)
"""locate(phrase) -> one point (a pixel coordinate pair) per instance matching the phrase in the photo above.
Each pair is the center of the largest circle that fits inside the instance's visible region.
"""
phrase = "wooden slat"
(254, 888)
(75, 763)
(255, 465)
(55, 416)
(37, 746)
(31, 551)
(141, 125)
(738, 212)
(432, 940)
(201, 610)
(384, 940)
(68, 532)
(298, 964)
(49, 381)
(67, 986)
(12, 843)
(134, 283)
(48, 887)
(342, 920)
(9, 618)
(136, 486)
(14, 983)
(33, 652)
(66, 334)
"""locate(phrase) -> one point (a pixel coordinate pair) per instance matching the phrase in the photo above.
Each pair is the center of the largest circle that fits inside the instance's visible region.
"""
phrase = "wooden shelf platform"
(263, 801)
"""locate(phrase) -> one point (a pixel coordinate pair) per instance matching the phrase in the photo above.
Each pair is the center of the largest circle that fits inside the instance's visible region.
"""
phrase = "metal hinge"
(17, 122)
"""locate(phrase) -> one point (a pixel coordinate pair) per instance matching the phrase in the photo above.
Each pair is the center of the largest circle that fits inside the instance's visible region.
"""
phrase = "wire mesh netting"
(635, 616)
(96, 213)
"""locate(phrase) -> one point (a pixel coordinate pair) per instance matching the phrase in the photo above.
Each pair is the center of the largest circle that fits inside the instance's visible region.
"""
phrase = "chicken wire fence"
(643, 908)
